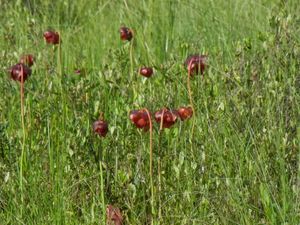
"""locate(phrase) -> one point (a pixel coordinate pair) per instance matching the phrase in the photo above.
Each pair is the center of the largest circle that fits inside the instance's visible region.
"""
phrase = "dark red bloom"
(77, 71)
(185, 112)
(52, 37)
(27, 60)
(114, 216)
(140, 119)
(18, 71)
(168, 117)
(196, 64)
(100, 127)
(126, 34)
(146, 71)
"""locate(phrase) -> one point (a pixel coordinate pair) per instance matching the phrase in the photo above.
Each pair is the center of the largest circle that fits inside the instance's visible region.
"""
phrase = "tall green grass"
(240, 167)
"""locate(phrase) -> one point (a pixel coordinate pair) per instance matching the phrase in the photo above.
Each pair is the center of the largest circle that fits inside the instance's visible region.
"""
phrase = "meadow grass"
(240, 166)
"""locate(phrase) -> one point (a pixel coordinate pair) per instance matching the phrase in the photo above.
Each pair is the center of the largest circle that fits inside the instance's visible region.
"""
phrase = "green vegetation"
(240, 166)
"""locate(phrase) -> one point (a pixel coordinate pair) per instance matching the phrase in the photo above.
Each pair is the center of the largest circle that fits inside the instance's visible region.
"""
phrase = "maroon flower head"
(126, 34)
(100, 127)
(196, 64)
(18, 71)
(27, 60)
(114, 216)
(140, 119)
(146, 71)
(77, 71)
(52, 37)
(185, 112)
(168, 117)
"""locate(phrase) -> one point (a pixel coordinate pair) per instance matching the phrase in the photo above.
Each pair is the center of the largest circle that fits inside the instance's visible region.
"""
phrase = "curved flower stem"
(132, 67)
(131, 59)
(52, 59)
(22, 159)
(150, 164)
(102, 187)
(159, 182)
(60, 61)
(159, 164)
(162, 120)
(63, 106)
(101, 116)
(190, 95)
(100, 156)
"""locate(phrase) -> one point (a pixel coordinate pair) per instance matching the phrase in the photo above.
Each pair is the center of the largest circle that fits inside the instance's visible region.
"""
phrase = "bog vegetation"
(149, 112)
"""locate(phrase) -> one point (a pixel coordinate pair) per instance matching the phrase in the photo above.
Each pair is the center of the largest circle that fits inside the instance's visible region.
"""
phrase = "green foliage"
(240, 167)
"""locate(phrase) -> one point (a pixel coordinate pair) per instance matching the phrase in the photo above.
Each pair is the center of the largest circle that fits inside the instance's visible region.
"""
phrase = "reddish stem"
(22, 99)
(150, 164)
(101, 116)
(190, 94)
(24, 137)
(161, 120)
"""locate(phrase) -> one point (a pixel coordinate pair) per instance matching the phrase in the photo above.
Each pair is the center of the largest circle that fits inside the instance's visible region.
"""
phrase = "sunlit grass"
(241, 166)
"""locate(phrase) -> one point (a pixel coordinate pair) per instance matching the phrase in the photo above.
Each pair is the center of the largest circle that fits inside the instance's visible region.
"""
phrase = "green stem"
(23, 155)
(102, 193)
(61, 160)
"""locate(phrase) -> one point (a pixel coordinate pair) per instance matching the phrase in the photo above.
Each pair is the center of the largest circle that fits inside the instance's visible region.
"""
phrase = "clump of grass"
(240, 166)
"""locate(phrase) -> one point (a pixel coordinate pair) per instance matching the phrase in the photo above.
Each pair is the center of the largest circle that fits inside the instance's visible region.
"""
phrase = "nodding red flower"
(146, 71)
(27, 60)
(140, 119)
(77, 71)
(126, 34)
(18, 71)
(114, 216)
(167, 116)
(185, 112)
(52, 37)
(100, 127)
(196, 64)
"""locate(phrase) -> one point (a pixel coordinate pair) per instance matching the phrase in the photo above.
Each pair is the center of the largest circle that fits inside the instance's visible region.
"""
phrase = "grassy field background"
(241, 166)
